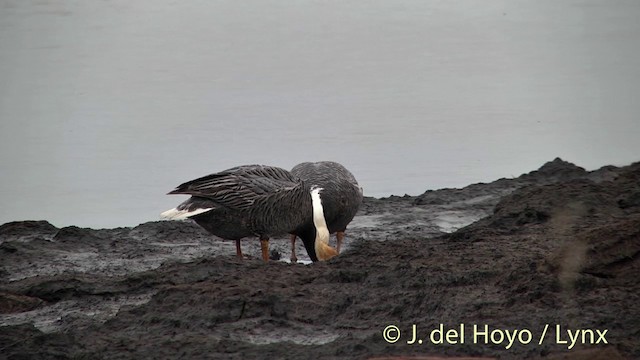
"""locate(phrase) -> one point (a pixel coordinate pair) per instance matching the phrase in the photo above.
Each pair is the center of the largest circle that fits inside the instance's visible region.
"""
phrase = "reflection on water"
(106, 106)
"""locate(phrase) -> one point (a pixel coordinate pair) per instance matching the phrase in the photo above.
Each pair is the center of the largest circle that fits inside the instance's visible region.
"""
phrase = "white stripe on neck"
(322, 231)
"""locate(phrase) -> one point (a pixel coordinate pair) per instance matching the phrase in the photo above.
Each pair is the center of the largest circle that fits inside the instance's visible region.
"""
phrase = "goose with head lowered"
(341, 197)
(256, 200)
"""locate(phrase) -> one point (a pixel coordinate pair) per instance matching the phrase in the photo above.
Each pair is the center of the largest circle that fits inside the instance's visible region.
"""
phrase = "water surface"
(106, 106)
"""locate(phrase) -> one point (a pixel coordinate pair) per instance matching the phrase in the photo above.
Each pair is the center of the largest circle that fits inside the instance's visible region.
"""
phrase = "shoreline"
(558, 245)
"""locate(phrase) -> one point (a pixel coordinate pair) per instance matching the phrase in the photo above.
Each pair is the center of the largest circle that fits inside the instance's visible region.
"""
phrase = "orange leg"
(238, 249)
(264, 244)
(339, 239)
(294, 258)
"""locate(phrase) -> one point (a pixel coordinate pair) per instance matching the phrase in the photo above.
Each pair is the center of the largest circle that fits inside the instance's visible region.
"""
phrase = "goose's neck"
(319, 222)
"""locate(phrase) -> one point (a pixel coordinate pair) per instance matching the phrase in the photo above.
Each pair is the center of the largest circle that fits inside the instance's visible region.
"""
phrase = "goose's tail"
(187, 209)
(177, 214)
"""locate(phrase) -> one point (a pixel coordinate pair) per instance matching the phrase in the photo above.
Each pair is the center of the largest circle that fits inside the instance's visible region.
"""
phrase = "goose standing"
(341, 196)
(255, 200)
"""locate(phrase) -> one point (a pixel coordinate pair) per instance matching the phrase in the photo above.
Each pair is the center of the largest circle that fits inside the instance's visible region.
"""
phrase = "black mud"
(557, 246)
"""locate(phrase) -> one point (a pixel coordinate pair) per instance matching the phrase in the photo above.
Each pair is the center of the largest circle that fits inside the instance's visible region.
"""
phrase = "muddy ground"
(551, 251)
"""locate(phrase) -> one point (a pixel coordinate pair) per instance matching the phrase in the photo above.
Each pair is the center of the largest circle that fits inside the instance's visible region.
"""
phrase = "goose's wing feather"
(241, 186)
(324, 172)
(341, 191)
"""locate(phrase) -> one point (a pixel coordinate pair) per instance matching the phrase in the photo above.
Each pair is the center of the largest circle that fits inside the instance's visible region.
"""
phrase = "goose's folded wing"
(241, 186)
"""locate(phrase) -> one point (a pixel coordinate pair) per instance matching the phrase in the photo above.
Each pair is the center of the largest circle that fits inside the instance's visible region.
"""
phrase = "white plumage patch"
(322, 231)
(175, 214)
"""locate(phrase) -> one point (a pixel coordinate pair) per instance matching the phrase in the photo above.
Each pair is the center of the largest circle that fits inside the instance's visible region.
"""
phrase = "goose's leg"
(264, 244)
(339, 239)
(294, 258)
(238, 249)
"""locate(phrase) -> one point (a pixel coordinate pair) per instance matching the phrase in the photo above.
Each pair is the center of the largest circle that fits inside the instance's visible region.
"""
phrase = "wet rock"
(27, 342)
(555, 171)
(11, 303)
(632, 200)
(559, 245)
(20, 228)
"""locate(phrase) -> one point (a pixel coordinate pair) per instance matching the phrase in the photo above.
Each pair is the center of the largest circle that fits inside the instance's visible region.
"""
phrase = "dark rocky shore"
(559, 246)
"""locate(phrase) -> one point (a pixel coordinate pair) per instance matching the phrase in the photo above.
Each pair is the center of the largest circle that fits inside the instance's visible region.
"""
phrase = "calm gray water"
(107, 105)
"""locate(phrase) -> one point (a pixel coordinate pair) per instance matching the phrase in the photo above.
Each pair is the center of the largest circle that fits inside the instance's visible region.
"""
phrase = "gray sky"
(106, 106)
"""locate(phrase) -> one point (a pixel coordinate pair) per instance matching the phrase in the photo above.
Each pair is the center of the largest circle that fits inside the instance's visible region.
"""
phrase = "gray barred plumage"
(249, 200)
(341, 195)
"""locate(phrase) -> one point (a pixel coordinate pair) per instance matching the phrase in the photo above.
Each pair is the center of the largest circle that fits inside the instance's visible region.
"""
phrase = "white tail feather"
(175, 214)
